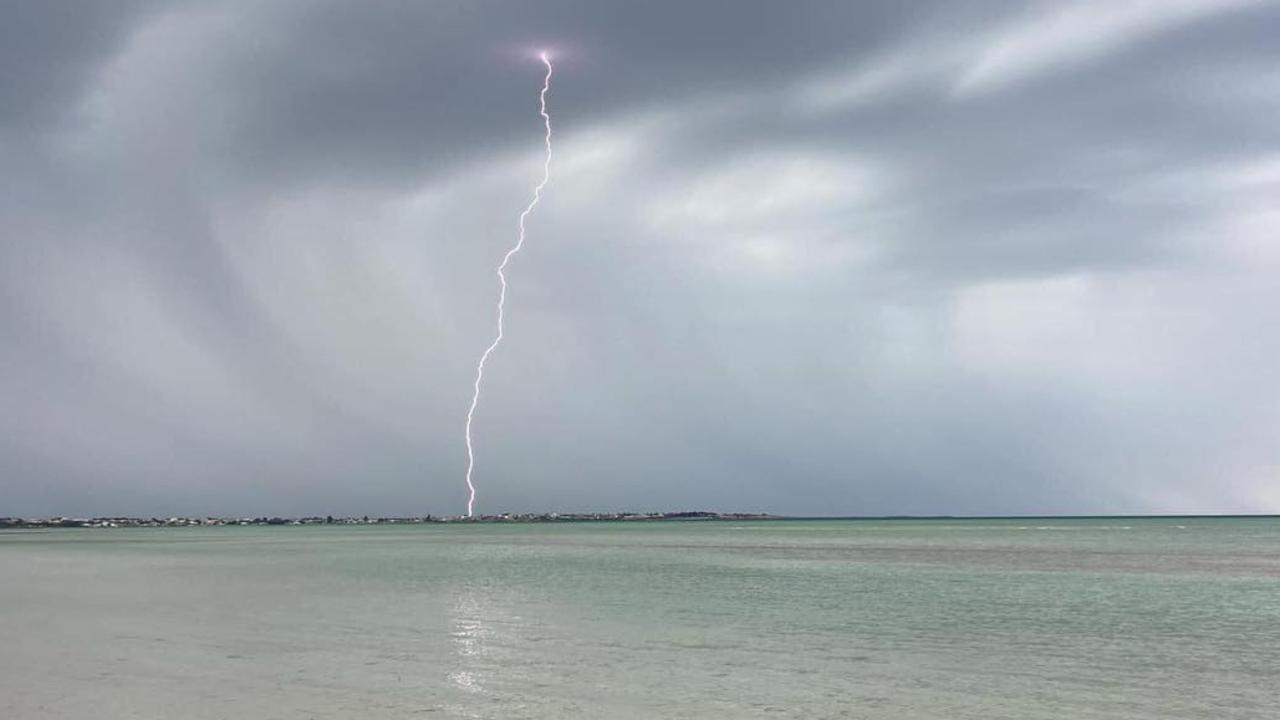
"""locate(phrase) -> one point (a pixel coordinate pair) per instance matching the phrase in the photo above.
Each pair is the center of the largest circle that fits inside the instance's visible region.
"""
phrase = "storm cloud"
(805, 257)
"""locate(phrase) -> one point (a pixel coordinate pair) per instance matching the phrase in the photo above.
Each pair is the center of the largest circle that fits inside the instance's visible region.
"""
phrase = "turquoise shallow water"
(1095, 618)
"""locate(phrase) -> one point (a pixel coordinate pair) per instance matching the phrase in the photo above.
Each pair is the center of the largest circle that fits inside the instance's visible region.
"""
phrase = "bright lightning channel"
(502, 278)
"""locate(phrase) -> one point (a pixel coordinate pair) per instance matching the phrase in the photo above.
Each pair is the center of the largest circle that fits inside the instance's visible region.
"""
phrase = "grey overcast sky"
(803, 257)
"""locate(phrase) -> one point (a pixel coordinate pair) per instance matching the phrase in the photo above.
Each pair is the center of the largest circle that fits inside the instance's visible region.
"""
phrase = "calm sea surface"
(1102, 618)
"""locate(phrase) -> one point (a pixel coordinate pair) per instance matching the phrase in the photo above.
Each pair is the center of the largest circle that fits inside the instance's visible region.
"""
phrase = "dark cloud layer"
(817, 257)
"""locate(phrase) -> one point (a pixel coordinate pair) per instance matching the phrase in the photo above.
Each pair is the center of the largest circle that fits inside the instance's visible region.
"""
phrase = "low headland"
(126, 522)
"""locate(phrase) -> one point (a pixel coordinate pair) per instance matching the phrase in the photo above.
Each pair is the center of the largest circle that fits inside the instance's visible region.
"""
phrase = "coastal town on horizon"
(126, 522)
(116, 521)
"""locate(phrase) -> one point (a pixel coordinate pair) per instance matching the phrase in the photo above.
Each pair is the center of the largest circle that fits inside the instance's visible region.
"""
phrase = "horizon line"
(723, 513)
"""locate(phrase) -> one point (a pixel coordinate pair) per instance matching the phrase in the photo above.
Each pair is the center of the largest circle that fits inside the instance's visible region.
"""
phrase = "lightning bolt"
(502, 278)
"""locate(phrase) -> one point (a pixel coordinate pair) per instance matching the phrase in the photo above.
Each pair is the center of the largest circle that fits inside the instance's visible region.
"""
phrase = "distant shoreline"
(124, 521)
(58, 522)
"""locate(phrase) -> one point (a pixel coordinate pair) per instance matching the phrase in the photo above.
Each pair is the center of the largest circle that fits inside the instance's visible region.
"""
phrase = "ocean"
(1011, 618)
